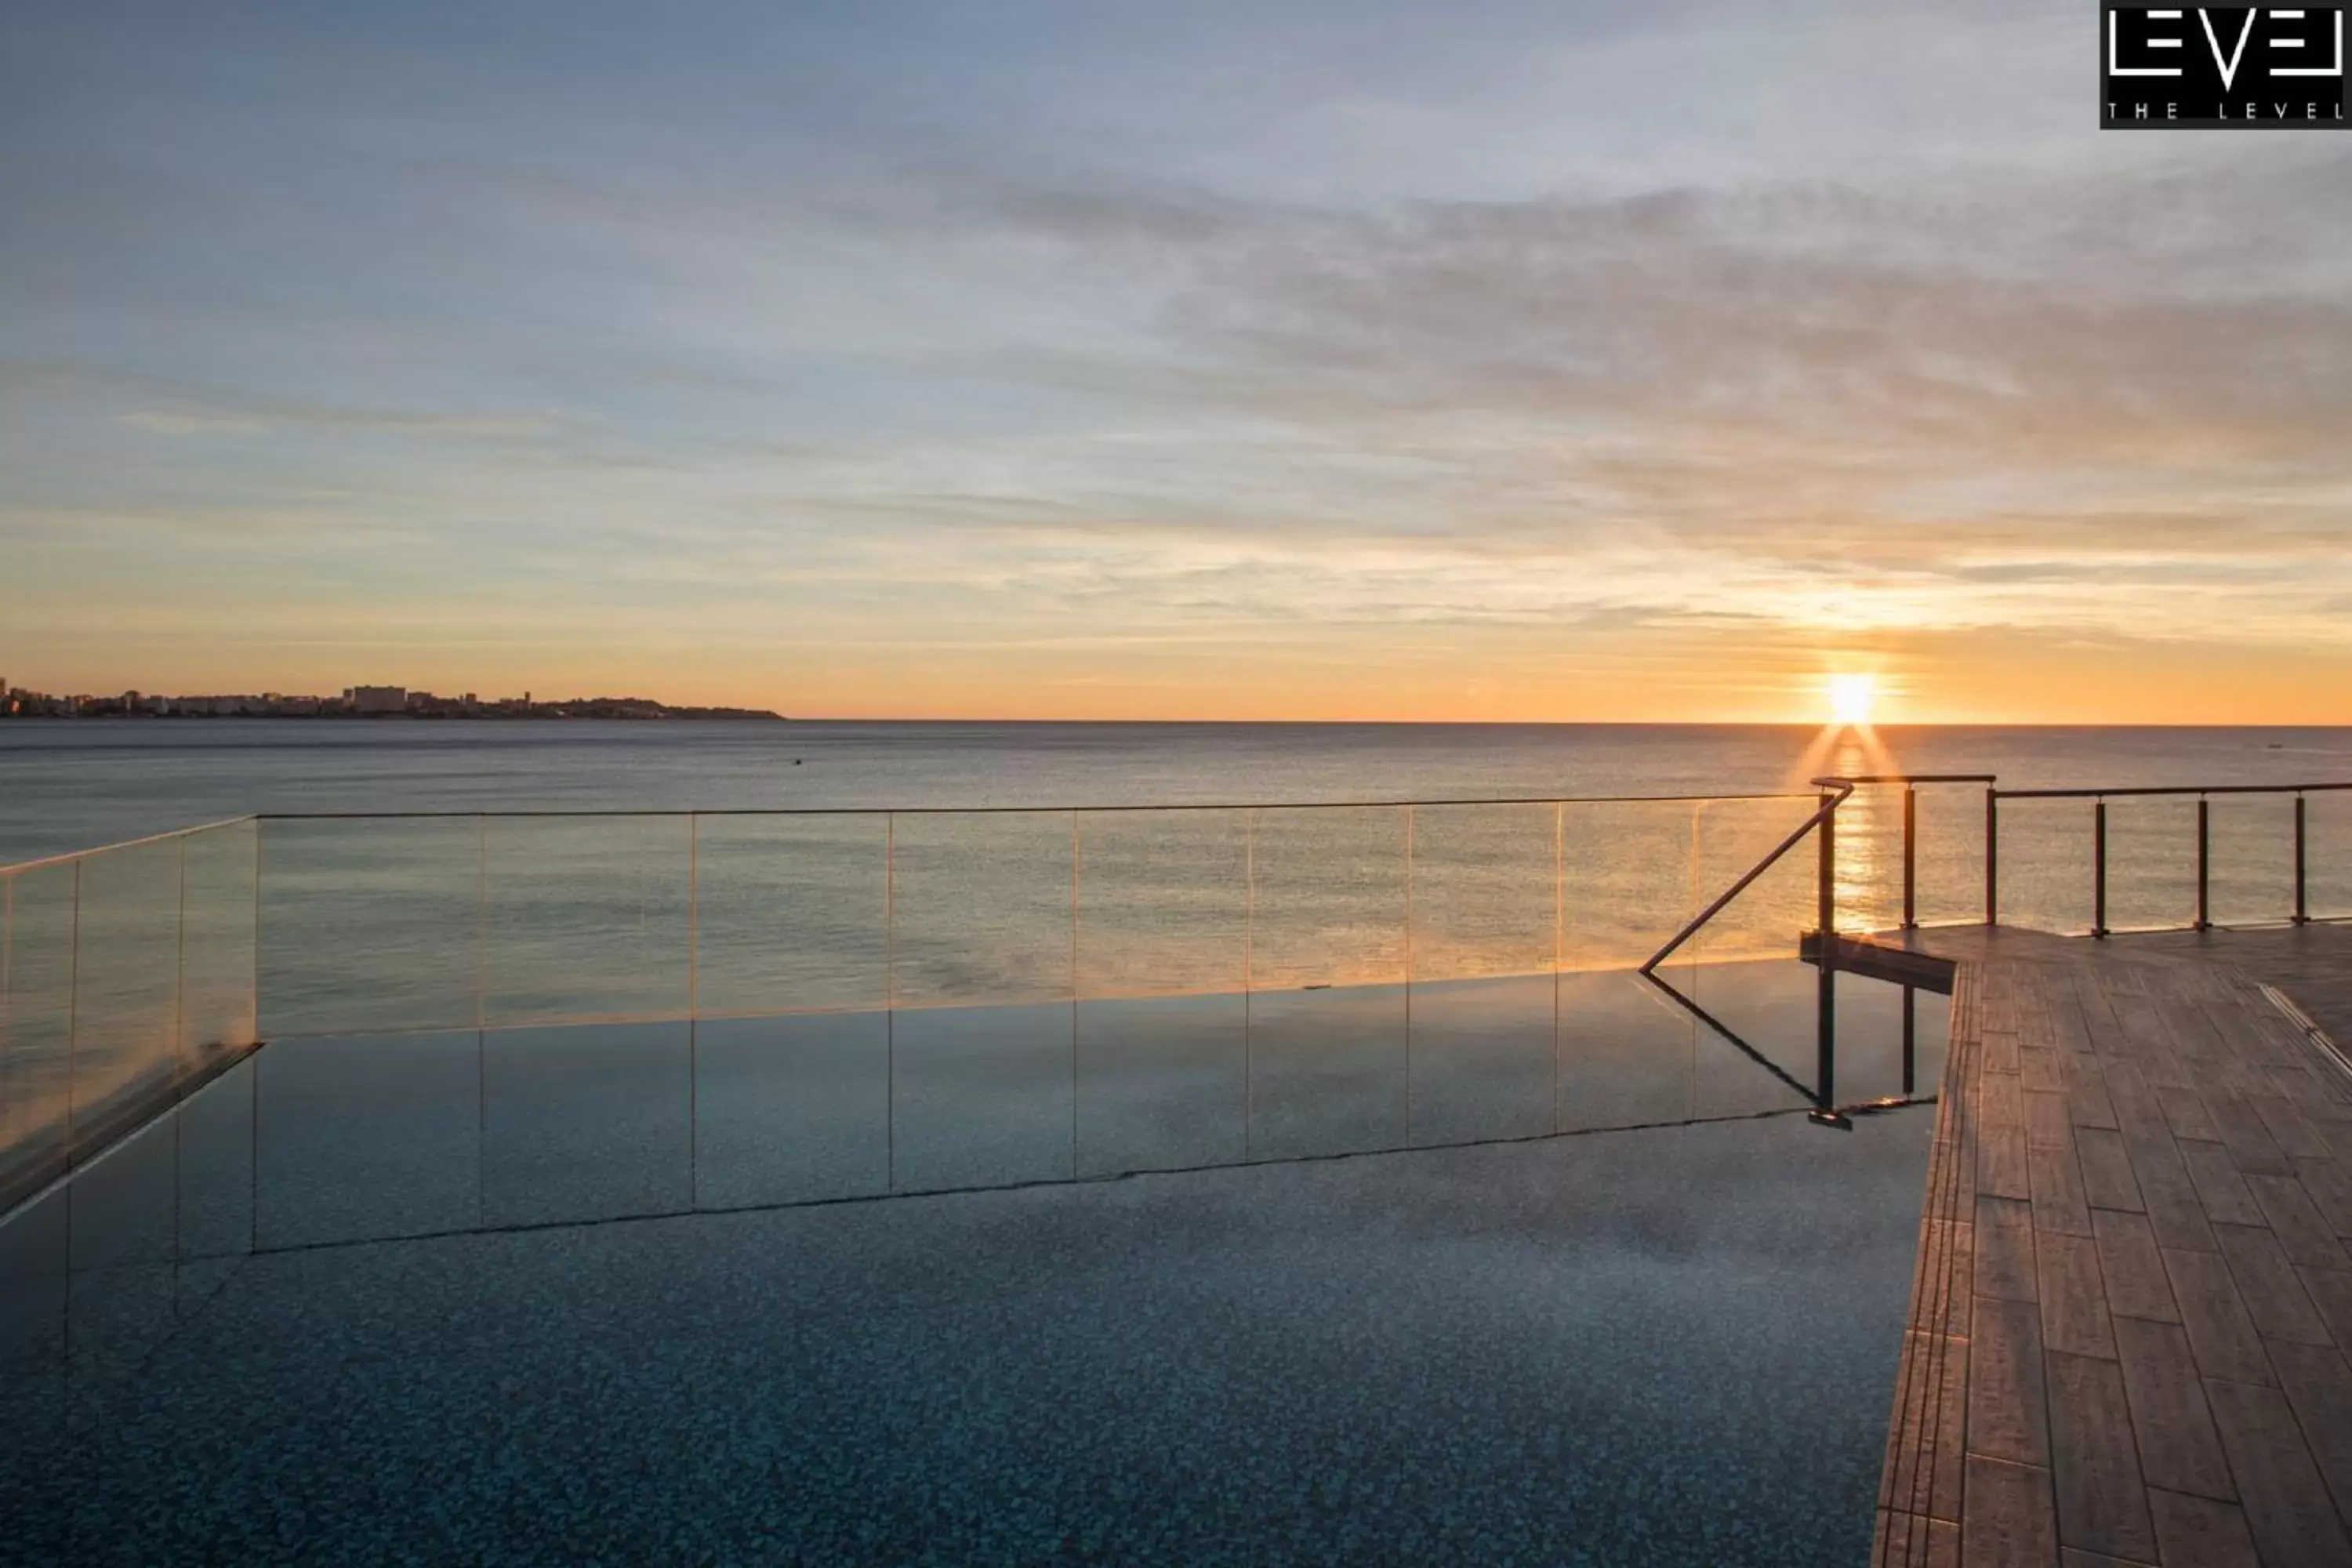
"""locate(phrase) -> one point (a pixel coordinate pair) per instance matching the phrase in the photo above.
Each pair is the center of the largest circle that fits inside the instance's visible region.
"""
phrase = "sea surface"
(74, 784)
(885, 867)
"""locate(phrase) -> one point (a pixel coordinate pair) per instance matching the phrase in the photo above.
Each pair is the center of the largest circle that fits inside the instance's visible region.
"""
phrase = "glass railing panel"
(1163, 903)
(126, 986)
(587, 1122)
(791, 1109)
(984, 1040)
(1869, 857)
(587, 918)
(981, 907)
(982, 1096)
(217, 936)
(1632, 881)
(370, 924)
(1950, 851)
(36, 949)
(2046, 865)
(123, 1290)
(215, 1182)
(365, 1137)
(2151, 862)
(1487, 929)
(2252, 843)
(2327, 853)
(35, 1269)
(792, 913)
(1770, 914)
(1163, 948)
(1627, 1053)
(1329, 1006)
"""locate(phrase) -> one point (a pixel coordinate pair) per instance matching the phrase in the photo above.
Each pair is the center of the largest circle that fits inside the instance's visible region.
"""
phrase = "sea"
(915, 864)
(74, 784)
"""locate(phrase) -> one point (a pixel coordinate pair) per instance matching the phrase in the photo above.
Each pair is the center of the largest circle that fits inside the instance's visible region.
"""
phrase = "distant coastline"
(361, 702)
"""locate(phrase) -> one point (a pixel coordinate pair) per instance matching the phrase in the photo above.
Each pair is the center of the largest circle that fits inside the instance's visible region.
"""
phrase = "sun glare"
(1851, 697)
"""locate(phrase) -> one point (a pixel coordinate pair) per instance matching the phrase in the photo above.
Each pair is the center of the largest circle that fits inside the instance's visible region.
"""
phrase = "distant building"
(377, 698)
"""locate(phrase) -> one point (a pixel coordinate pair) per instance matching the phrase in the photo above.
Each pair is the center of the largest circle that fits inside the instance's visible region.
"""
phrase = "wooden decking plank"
(2102, 1500)
(2132, 1267)
(2107, 1179)
(2199, 1533)
(2220, 1331)
(2074, 1299)
(2009, 1515)
(2220, 1189)
(2001, 1170)
(2135, 1271)
(2178, 1447)
(2267, 1282)
(2008, 1404)
(2295, 1219)
(2318, 1386)
(2059, 1205)
(2288, 1509)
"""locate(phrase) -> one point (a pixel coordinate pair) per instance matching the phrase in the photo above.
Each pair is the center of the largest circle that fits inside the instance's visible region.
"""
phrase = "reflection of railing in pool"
(128, 973)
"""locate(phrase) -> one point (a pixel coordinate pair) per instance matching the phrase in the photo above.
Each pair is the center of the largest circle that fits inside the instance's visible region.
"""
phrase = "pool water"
(1536, 1276)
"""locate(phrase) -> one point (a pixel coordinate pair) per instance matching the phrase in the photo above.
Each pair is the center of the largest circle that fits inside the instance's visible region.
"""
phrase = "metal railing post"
(1910, 858)
(2204, 864)
(1826, 917)
(2099, 869)
(2302, 911)
(1992, 856)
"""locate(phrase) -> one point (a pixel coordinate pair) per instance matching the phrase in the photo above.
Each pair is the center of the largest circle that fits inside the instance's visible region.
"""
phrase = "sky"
(1294, 359)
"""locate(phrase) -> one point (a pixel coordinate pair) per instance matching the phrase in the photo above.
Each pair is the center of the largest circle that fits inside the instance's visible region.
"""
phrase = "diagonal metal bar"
(1844, 788)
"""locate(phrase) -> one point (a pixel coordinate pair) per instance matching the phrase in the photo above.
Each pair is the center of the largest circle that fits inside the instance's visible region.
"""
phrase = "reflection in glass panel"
(363, 1137)
(1328, 1071)
(371, 924)
(215, 1183)
(2046, 865)
(216, 944)
(1163, 1082)
(2151, 862)
(1163, 903)
(126, 986)
(2327, 853)
(35, 1252)
(1631, 878)
(586, 1122)
(791, 913)
(587, 918)
(123, 1251)
(37, 936)
(789, 1110)
(980, 907)
(2252, 848)
(1626, 1052)
(1483, 1059)
(982, 1096)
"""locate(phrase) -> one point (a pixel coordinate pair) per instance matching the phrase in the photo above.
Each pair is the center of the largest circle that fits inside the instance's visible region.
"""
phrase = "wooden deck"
(2133, 1309)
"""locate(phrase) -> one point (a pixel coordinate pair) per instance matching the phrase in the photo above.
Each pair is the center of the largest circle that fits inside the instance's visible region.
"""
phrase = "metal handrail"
(2167, 789)
(72, 855)
(2098, 798)
(1843, 785)
(1026, 810)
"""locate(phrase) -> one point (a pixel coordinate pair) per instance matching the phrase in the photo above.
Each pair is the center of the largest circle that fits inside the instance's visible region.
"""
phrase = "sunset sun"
(1851, 697)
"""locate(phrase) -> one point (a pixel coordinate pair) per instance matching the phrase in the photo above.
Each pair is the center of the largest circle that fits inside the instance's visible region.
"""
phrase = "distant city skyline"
(1294, 359)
